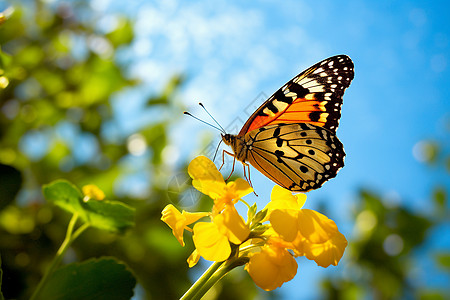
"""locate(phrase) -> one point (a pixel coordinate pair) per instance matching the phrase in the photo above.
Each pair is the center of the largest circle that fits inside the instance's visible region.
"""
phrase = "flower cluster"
(267, 242)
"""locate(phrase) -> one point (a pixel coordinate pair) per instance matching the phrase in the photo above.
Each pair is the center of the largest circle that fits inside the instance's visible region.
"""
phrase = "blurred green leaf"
(443, 259)
(30, 56)
(432, 295)
(104, 278)
(171, 87)
(13, 27)
(440, 198)
(10, 184)
(108, 215)
(16, 220)
(123, 34)
(5, 61)
(157, 139)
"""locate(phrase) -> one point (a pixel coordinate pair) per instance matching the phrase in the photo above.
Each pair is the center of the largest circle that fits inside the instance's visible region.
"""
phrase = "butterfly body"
(291, 138)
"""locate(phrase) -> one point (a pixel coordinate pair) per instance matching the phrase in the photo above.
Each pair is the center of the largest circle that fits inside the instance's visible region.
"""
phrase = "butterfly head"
(227, 138)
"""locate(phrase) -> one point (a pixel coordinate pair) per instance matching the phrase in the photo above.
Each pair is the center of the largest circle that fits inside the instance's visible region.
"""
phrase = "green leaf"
(108, 215)
(251, 212)
(104, 278)
(65, 195)
(259, 217)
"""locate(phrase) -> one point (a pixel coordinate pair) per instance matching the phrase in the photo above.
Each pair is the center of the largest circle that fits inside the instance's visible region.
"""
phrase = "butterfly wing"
(298, 157)
(314, 97)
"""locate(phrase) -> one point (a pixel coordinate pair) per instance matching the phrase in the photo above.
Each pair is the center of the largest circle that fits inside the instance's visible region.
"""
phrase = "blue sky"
(234, 52)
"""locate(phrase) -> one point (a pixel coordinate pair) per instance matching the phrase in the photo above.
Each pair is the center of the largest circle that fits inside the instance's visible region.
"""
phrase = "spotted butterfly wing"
(298, 157)
(291, 138)
(314, 96)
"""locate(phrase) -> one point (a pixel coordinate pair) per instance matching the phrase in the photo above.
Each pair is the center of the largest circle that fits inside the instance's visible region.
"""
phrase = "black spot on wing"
(279, 95)
(315, 116)
(279, 142)
(276, 132)
(272, 107)
(299, 90)
(279, 154)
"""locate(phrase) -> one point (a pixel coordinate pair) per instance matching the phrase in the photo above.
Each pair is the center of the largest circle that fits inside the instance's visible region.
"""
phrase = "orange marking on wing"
(279, 121)
(297, 112)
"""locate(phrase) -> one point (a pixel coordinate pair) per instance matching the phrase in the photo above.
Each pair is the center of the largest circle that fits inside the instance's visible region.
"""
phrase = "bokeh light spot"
(393, 244)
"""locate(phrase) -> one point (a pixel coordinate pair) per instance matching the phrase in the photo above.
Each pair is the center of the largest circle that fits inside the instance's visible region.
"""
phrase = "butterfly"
(291, 138)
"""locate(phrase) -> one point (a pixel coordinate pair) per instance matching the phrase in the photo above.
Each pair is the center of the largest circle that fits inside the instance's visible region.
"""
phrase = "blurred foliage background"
(58, 78)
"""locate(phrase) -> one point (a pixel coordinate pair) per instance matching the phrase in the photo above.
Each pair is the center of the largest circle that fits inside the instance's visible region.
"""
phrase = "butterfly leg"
(223, 162)
(248, 178)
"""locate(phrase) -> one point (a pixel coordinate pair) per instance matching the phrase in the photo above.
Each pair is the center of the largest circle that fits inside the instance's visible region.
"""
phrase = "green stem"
(70, 237)
(194, 289)
(217, 275)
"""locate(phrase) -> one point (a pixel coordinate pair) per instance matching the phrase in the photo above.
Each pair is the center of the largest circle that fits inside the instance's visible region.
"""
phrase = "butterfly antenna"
(217, 149)
(201, 104)
(191, 115)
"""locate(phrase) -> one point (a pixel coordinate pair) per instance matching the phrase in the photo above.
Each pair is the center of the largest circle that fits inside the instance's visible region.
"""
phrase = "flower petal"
(315, 227)
(93, 192)
(328, 253)
(271, 267)
(172, 217)
(178, 221)
(193, 258)
(240, 188)
(282, 198)
(202, 168)
(211, 244)
(214, 189)
(231, 224)
(285, 223)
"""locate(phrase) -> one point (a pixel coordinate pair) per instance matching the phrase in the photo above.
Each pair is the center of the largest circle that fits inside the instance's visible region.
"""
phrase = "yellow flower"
(269, 248)
(208, 180)
(211, 244)
(315, 227)
(91, 191)
(282, 212)
(179, 221)
(327, 253)
(271, 267)
(310, 233)
(212, 240)
(319, 239)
